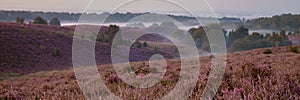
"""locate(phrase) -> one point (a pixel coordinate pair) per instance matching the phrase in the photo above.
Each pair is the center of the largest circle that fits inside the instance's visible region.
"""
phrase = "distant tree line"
(10, 16)
(283, 22)
(240, 39)
(40, 20)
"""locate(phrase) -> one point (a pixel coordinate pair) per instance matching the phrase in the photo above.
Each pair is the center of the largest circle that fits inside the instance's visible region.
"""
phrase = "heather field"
(36, 63)
(249, 75)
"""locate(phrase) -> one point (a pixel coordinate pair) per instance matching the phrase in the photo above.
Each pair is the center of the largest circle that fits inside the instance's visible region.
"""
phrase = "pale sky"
(278, 6)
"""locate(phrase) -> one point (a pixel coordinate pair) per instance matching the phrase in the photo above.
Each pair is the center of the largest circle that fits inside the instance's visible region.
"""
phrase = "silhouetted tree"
(240, 45)
(20, 20)
(199, 36)
(109, 35)
(39, 20)
(285, 21)
(54, 22)
(239, 33)
(145, 44)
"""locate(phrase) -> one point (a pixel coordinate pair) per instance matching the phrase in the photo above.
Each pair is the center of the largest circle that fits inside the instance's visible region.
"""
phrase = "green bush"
(39, 20)
(54, 22)
(212, 56)
(268, 51)
(138, 44)
(57, 52)
(145, 44)
(20, 20)
(155, 49)
(293, 49)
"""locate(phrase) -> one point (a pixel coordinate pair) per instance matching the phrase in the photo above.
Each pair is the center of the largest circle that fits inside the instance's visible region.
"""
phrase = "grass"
(5, 75)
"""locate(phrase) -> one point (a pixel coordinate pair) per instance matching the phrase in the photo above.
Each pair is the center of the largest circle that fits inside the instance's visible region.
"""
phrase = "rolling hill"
(30, 48)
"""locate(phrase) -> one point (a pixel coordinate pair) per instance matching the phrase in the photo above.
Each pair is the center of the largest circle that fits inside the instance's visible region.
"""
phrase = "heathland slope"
(29, 48)
(249, 75)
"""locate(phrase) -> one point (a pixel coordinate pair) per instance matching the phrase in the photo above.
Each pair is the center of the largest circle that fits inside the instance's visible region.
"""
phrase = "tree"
(200, 37)
(54, 22)
(178, 34)
(239, 33)
(145, 44)
(20, 20)
(240, 45)
(109, 35)
(169, 25)
(57, 52)
(285, 21)
(283, 34)
(138, 44)
(255, 36)
(39, 20)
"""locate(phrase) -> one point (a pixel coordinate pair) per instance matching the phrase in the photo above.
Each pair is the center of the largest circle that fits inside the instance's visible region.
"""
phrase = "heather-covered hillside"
(36, 63)
(249, 75)
(29, 48)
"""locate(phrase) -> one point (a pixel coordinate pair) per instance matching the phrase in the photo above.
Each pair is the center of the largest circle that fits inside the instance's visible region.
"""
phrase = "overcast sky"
(278, 6)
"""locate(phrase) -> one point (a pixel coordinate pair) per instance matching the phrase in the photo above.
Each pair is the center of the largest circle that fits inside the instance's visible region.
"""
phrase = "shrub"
(57, 52)
(54, 22)
(241, 45)
(165, 83)
(141, 70)
(20, 20)
(109, 35)
(145, 44)
(138, 44)
(212, 56)
(155, 49)
(293, 49)
(39, 20)
(268, 51)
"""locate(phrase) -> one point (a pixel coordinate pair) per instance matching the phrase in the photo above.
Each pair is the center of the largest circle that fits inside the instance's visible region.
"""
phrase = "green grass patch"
(5, 75)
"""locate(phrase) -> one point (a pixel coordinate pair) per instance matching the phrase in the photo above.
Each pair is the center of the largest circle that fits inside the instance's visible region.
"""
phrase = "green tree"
(255, 36)
(200, 37)
(109, 35)
(39, 20)
(57, 52)
(138, 44)
(241, 45)
(20, 20)
(283, 34)
(239, 33)
(145, 44)
(54, 22)
(178, 34)
(169, 25)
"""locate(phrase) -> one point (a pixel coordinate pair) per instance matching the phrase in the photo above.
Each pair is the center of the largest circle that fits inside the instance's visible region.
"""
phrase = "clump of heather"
(268, 51)
(248, 75)
(293, 49)
(256, 80)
